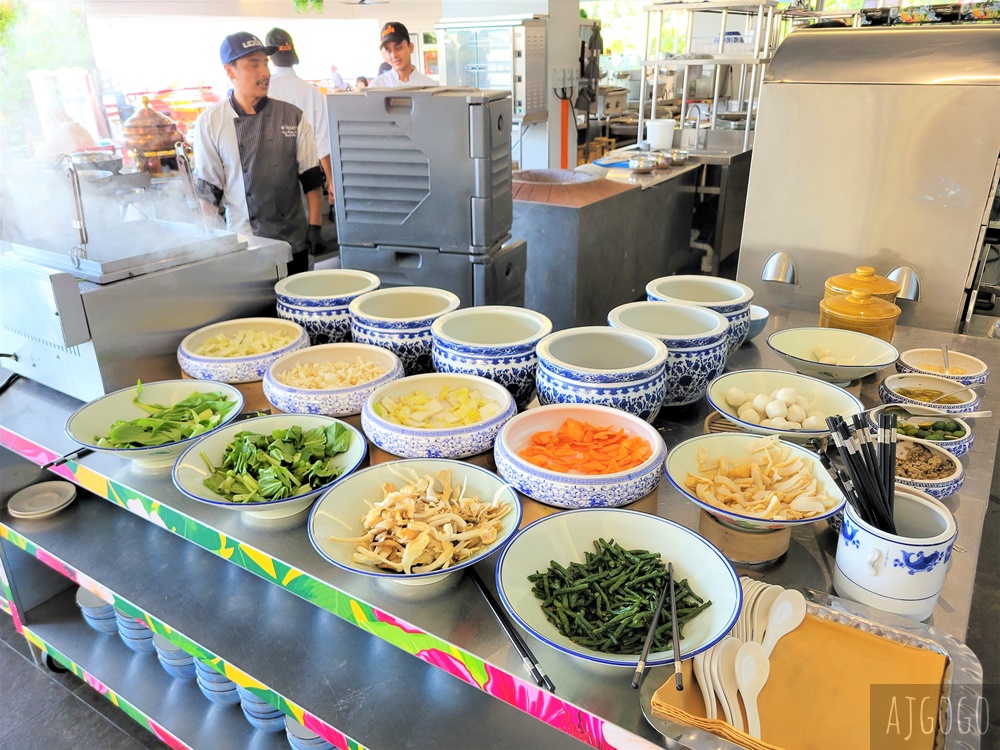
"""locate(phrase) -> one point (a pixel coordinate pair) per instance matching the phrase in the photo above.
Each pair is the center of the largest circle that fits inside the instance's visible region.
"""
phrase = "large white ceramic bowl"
(564, 537)
(936, 488)
(577, 490)
(917, 360)
(91, 421)
(445, 442)
(190, 471)
(340, 511)
(957, 447)
(237, 369)
(822, 397)
(799, 346)
(731, 298)
(696, 339)
(494, 342)
(888, 391)
(334, 287)
(334, 402)
(683, 461)
(601, 365)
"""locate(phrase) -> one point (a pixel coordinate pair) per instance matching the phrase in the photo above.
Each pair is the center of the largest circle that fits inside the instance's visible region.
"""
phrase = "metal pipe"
(79, 221)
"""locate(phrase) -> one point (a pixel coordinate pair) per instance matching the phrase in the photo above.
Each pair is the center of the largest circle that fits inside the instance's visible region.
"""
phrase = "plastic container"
(864, 277)
(860, 311)
(660, 134)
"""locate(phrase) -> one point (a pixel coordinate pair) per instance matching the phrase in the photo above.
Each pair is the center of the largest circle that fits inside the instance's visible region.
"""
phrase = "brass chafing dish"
(148, 131)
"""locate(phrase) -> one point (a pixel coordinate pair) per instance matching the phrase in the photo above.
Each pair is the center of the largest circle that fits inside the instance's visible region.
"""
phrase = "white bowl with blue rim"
(922, 414)
(856, 355)
(333, 287)
(682, 461)
(333, 402)
(731, 298)
(565, 537)
(888, 391)
(246, 369)
(696, 339)
(817, 396)
(577, 490)
(493, 341)
(758, 321)
(937, 488)
(459, 441)
(602, 365)
(931, 362)
(92, 421)
(340, 512)
(400, 319)
(190, 471)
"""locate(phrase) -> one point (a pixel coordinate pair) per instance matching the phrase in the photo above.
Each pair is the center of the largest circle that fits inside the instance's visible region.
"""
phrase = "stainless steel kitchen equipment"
(849, 167)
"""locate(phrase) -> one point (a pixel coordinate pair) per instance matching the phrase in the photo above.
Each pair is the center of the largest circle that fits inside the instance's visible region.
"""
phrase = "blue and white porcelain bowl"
(400, 319)
(325, 325)
(730, 298)
(696, 339)
(919, 360)
(445, 442)
(608, 366)
(237, 369)
(334, 402)
(331, 288)
(888, 391)
(577, 490)
(758, 321)
(958, 447)
(936, 488)
(494, 342)
(903, 572)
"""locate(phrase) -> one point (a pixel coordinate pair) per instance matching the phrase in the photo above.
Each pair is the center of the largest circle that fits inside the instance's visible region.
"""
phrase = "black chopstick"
(79, 453)
(530, 662)
(676, 635)
(641, 666)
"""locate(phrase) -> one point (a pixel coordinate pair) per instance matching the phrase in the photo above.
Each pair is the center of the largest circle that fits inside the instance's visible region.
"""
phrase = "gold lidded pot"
(148, 131)
(863, 277)
(860, 311)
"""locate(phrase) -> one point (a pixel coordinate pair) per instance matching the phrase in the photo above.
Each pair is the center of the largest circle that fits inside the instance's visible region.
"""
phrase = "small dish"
(888, 391)
(956, 446)
(931, 362)
(758, 321)
(939, 489)
(41, 500)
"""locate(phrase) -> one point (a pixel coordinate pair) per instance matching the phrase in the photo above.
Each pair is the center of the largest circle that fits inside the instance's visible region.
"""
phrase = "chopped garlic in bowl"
(322, 375)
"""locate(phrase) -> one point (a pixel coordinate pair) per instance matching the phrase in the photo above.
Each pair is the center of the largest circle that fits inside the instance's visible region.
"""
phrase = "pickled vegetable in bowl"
(929, 395)
(450, 407)
(244, 343)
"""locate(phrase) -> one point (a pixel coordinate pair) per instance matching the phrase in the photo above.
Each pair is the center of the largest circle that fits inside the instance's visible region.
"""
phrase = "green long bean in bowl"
(607, 602)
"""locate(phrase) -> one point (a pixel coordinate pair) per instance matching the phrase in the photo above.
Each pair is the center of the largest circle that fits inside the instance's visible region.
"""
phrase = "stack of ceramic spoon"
(738, 666)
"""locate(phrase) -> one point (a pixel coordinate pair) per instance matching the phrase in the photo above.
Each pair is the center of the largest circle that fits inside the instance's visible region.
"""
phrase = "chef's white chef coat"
(288, 87)
(253, 165)
(391, 79)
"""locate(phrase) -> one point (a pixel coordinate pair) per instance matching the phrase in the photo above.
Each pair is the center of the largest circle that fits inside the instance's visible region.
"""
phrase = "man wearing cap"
(253, 153)
(397, 50)
(288, 87)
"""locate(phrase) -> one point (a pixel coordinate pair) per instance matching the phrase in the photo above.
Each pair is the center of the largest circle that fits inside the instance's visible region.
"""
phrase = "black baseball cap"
(285, 57)
(240, 44)
(394, 32)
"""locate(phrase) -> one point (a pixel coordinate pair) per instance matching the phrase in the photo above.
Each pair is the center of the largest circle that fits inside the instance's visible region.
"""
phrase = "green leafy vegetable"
(190, 417)
(260, 468)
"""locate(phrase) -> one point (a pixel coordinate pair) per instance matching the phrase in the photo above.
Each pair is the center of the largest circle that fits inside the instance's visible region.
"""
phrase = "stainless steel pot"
(103, 160)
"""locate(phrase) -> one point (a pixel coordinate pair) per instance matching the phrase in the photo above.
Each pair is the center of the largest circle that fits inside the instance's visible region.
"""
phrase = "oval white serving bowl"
(888, 392)
(333, 402)
(731, 298)
(334, 287)
(448, 442)
(577, 490)
(936, 488)
(823, 397)
(564, 537)
(797, 346)
(600, 365)
(93, 420)
(696, 339)
(916, 360)
(237, 369)
(190, 471)
(495, 342)
(958, 447)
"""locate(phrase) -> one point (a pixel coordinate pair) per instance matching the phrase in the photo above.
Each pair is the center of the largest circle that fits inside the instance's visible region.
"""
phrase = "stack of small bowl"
(319, 301)
(216, 687)
(175, 661)
(96, 612)
(261, 714)
(730, 298)
(300, 738)
(134, 634)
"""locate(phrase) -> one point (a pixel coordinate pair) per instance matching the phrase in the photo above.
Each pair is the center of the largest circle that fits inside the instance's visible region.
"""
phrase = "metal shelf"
(710, 5)
(708, 60)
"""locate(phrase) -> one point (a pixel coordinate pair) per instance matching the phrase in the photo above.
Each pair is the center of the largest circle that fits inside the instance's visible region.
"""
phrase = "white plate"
(41, 500)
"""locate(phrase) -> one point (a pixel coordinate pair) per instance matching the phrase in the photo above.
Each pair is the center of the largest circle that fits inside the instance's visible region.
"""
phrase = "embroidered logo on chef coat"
(289, 131)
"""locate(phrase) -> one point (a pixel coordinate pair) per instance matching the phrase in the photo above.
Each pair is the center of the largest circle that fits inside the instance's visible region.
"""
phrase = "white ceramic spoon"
(726, 684)
(786, 614)
(705, 681)
(762, 611)
(752, 669)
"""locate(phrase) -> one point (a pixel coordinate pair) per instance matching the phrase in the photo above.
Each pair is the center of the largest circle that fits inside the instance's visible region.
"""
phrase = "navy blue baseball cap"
(240, 44)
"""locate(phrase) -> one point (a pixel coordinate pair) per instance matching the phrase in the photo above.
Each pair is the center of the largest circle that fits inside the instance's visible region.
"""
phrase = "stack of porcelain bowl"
(175, 661)
(216, 687)
(261, 714)
(730, 298)
(134, 634)
(300, 738)
(493, 342)
(96, 612)
(696, 339)
(596, 365)
(319, 301)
